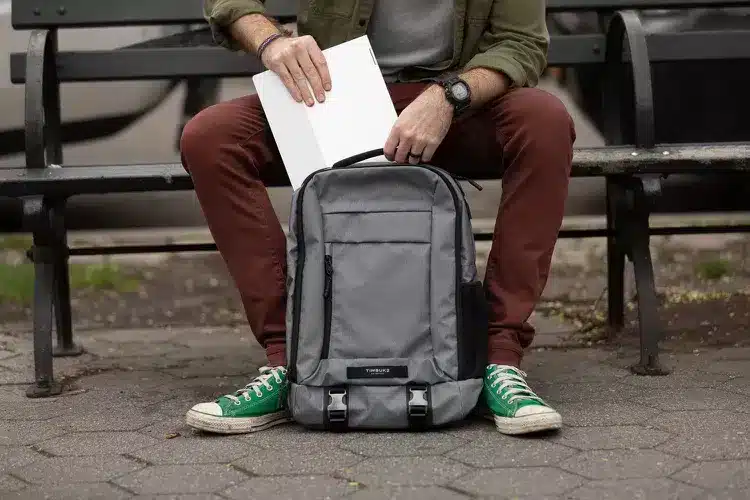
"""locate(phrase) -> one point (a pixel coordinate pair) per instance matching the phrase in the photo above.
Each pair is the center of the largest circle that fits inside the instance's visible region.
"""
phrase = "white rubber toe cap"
(208, 409)
(533, 410)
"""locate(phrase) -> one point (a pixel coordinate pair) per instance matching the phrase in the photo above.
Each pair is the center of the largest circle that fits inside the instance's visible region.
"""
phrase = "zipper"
(299, 236)
(327, 306)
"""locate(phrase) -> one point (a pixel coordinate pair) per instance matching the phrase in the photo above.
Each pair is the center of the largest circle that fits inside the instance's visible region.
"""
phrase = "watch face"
(460, 91)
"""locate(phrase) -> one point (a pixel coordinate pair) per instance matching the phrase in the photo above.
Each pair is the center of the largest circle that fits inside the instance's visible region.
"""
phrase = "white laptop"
(356, 116)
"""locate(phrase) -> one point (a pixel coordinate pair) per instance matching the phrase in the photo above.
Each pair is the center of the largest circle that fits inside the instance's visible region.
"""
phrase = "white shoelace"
(266, 374)
(508, 379)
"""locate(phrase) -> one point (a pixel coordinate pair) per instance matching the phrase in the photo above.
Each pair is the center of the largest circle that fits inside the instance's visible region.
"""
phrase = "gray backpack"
(386, 319)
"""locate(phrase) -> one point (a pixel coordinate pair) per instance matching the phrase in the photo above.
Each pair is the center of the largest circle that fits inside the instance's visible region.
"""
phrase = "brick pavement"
(119, 433)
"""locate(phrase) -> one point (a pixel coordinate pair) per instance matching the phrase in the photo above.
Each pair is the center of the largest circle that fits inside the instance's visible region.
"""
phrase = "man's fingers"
(319, 60)
(311, 72)
(416, 152)
(289, 83)
(300, 79)
(402, 152)
(389, 149)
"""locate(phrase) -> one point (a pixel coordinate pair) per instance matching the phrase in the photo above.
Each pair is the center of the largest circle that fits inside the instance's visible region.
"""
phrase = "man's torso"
(332, 22)
(411, 34)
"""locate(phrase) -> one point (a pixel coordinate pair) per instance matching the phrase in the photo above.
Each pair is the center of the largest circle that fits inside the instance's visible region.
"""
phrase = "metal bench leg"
(63, 319)
(38, 214)
(615, 260)
(634, 227)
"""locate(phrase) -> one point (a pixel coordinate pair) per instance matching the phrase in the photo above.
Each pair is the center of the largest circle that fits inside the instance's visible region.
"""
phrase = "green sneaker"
(259, 405)
(513, 405)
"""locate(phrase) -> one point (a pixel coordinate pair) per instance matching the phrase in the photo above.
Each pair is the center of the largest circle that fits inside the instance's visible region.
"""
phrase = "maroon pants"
(526, 135)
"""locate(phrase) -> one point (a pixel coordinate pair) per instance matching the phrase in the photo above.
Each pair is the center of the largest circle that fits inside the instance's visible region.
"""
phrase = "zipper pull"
(329, 274)
(470, 181)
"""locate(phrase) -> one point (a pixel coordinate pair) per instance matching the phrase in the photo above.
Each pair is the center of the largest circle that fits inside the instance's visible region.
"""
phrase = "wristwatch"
(457, 92)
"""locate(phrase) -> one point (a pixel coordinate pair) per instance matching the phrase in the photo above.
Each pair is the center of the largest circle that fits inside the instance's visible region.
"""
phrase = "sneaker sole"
(528, 424)
(229, 425)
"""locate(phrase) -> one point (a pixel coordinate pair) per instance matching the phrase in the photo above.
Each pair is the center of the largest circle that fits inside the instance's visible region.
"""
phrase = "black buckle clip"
(337, 405)
(418, 405)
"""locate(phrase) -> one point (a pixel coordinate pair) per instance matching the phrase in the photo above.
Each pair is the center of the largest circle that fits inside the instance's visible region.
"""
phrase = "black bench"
(632, 170)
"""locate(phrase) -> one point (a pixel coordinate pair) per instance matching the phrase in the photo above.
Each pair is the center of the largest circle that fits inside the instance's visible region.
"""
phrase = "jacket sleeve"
(220, 14)
(515, 41)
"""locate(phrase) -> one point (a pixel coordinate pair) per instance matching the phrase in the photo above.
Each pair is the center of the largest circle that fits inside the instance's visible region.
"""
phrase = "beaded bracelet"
(266, 42)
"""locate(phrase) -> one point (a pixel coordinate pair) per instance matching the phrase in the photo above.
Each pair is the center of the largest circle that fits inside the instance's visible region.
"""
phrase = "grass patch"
(17, 281)
(713, 269)
(15, 242)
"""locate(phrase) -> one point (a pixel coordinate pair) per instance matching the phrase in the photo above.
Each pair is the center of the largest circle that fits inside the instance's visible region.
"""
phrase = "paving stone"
(188, 392)
(700, 422)
(743, 494)
(13, 394)
(58, 470)
(291, 438)
(585, 414)
(574, 372)
(104, 349)
(286, 487)
(169, 428)
(611, 438)
(203, 450)
(97, 443)
(160, 479)
(408, 493)
(198, 496)
(35, 409)
(103, 418)
(12, 457)
(506, 451)
(10, 375)
(739, 385)
(8, 484)
(228, 366)
(406, 471)
(135, 381)
(212, 343)
(734, 367)
(75, 491)
(623, 464)
(661, 488)
(719, 445)
(733, 474)
(136, 335)
(534, 482)
(589, 392)
(689, 399)
(24, 433)
(680, 378)
(399, 444)
(298, 459)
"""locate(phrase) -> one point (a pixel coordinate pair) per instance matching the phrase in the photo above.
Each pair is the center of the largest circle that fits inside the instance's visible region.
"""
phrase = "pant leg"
(527, 136)
(229, 152)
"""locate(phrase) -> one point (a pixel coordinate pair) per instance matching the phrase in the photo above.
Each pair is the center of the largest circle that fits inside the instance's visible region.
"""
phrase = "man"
(482, 116)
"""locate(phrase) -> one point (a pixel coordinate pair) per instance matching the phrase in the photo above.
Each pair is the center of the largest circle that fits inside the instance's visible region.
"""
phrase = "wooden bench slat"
(88, 13)
(612, 5)
(587, 162)
(214, 61)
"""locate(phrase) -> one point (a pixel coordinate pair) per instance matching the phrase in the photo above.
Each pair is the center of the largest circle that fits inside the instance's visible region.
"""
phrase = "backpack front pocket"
(378, 301)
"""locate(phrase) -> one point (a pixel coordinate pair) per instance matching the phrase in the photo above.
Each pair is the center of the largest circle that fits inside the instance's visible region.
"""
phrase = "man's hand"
(298, 61)
(420, 128)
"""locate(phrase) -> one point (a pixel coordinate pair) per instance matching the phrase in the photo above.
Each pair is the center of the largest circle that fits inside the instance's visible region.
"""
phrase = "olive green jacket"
(505, 35)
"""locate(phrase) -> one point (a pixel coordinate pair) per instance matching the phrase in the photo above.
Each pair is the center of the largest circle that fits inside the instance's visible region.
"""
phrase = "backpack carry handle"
(358, 158)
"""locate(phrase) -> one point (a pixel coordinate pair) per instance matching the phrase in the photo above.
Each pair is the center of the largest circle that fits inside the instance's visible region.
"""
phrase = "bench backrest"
(173, 61)
(100, 13)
